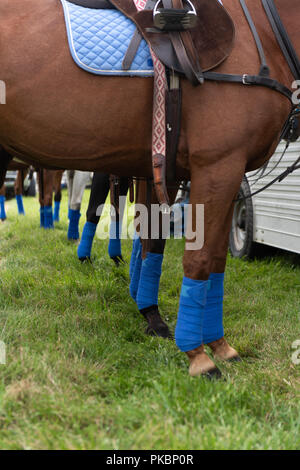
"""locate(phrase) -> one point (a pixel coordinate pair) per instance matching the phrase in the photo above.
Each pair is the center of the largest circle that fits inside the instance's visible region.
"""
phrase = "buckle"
(172, 19)
(245, 76)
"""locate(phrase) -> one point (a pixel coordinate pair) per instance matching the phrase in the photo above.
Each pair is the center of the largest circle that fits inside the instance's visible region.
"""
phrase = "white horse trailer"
(273, 216)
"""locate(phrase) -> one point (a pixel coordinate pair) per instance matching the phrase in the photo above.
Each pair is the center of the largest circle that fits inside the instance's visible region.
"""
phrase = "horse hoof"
(118, 260)
(235, 359)
(213, 374)
(160, 330)
(223, 352)
(201, 365)
(85, 259)
(156, 325)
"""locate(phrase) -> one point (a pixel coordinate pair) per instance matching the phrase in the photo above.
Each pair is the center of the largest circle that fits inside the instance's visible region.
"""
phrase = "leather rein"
(263, 79)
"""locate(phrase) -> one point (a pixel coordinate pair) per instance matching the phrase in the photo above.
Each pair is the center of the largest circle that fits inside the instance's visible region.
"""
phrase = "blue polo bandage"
(189, 328)
(136, 271)
(20, 205)
(56, 211)
(48, 217)
(73, 230)
(147, 294)
(85, 246)
(213, 314)
(114, 246)
(135, 246)
(2, 208)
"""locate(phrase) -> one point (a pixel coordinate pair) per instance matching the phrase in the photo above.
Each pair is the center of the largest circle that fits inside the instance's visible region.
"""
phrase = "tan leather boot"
(201, 364)
(223, 352)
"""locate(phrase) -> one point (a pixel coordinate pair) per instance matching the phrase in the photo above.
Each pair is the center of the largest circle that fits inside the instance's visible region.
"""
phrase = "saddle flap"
(213, 37)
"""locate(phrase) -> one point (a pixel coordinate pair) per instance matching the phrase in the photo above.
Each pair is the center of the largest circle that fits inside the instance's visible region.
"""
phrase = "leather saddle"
(212, 38)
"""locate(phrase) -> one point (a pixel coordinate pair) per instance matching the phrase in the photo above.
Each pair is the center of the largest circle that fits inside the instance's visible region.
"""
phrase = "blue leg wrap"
(19, 199)
(114, 246)
(135, 246)
(73, 231)
(2, 208)
(85, 246)
(56, 211)
(149, 281)
(213, 315)
(189, 328)
(48, 217)
(136, 271)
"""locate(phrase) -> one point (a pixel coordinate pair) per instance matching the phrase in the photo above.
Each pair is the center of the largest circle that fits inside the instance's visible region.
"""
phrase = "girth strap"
(254, 80)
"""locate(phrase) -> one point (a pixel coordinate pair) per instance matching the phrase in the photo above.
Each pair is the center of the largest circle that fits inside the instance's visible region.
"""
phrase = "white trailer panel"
(277, 209)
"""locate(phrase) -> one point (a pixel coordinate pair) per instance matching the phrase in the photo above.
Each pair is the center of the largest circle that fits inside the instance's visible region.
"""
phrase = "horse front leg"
(200, 315)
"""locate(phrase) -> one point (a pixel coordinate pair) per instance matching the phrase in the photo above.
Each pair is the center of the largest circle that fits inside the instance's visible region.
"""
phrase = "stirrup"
(172, 19)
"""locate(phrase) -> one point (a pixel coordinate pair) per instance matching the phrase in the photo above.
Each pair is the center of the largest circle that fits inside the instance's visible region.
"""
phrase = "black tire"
(31, 191)
(241, 242)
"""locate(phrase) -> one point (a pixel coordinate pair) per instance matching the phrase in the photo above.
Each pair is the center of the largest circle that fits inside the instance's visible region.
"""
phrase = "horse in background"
(99, 192)
(22, 171)
(77, 182)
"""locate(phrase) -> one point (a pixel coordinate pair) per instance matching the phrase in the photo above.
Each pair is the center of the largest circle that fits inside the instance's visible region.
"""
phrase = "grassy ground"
(81, 374)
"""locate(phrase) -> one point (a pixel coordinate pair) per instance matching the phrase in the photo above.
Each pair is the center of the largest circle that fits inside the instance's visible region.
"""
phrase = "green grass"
(81, 373)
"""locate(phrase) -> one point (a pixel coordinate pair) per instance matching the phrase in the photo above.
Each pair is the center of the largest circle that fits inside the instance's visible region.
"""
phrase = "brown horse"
(49, 183)
(61, 117)
(22, 171)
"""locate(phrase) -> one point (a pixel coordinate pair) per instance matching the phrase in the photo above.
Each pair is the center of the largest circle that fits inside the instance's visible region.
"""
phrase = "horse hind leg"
(146, 276)
(45, 180)
(19, 189)
(57, 194)
(145, 273)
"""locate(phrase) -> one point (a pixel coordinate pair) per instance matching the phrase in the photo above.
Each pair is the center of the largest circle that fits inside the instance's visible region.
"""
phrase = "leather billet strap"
(135, 41)
(132, 50)
(184, 48)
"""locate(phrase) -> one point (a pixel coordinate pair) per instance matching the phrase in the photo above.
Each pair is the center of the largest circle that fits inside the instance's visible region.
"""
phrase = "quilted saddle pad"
(99, 39)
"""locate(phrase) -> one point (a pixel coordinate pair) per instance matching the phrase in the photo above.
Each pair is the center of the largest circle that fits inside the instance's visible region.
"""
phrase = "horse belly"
(56, 114)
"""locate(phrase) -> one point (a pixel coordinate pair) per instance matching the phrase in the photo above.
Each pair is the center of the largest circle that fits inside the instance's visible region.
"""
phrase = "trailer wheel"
(241, 235)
